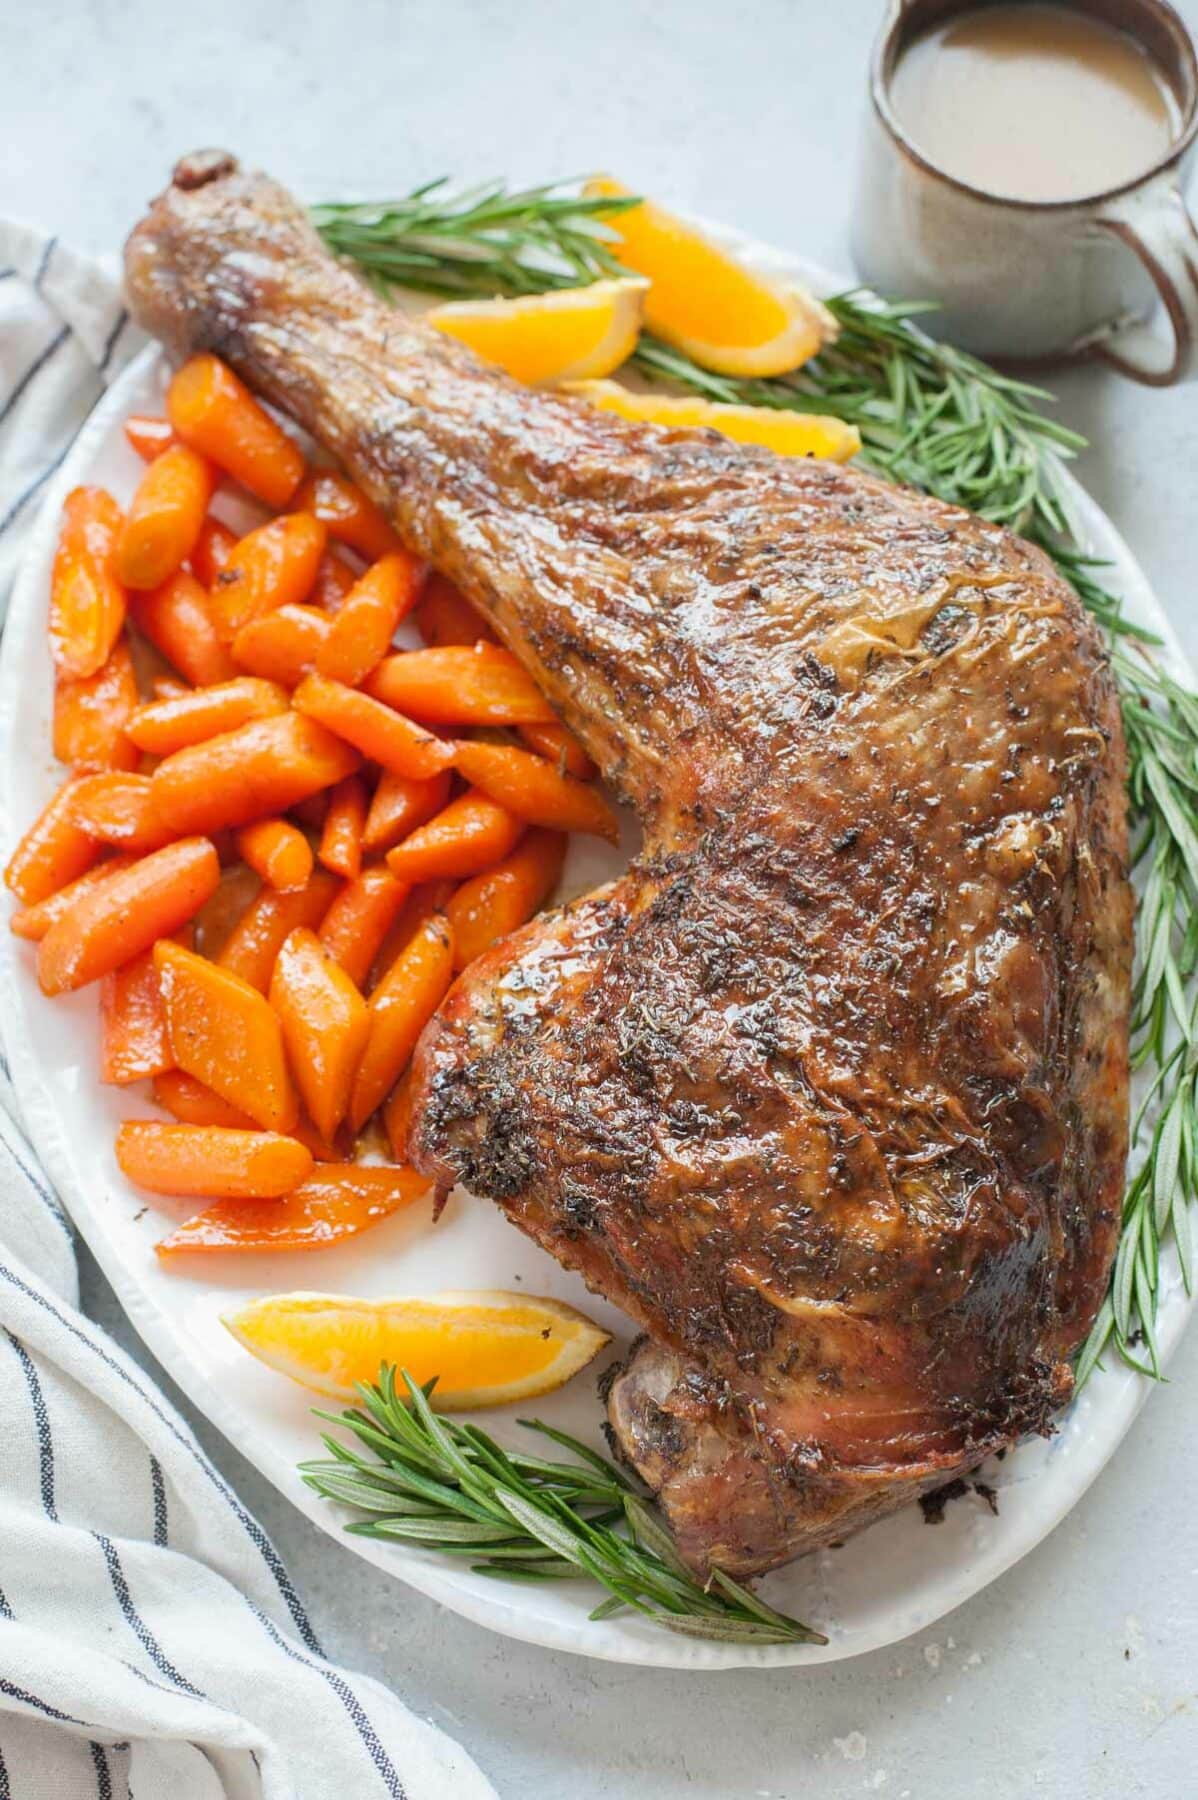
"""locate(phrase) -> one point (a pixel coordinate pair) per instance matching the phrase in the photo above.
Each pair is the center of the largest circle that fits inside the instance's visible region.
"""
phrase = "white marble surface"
(1075, 1677)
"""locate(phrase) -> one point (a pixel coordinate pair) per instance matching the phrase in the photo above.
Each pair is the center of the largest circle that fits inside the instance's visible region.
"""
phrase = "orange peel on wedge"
(723, 315)
(571, 334)
(486, 1347)
(786, 433)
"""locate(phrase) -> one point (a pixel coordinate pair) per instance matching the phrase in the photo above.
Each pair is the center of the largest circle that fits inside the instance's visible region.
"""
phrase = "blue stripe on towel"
(41, 1419)
(137, 1624)
(36, 366)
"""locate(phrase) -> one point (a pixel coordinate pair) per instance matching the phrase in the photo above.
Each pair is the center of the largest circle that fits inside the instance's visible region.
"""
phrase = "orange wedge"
(706, 303)
(786, 433)
(486, 1348)
(571, 335)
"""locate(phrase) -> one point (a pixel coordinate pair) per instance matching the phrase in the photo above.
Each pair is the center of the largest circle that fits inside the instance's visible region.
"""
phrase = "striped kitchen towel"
(151, 1641)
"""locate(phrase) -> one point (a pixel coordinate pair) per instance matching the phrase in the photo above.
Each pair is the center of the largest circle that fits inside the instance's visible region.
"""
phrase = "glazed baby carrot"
(254, 943)
(384, 736)
(325, 1026)
(33, 922)
(398, 805)
(213, 548)
(282, 645)
(478, 684)
(334, 580)
(149, 436)
(87, 601)
(341, 836)
(189, 718)
(278, 852)
(216, 413)
(360, 917)
(273, 566)
(223, 1032)
(560, 747)
(427, 898)
(210, 1159)
(252, 773)
(133, 1039)
(528, 786)
(189, 1101)
(447, 617)
(120, 918)
(369, 614)
(177, 619)
(467, 836)
(119, 810)
(337, 1201)
(349, 515)
(52, 852)
(164, 517)
(91, 713)
(166, 687)
(503, 898)
(397, 1117)
(400, 1007)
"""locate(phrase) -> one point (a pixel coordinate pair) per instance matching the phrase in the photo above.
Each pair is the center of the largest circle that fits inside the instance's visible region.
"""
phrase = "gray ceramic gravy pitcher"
(1030, 280)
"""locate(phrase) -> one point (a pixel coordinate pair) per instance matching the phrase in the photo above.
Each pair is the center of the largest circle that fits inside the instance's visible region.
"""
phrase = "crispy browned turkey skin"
(829, 1092)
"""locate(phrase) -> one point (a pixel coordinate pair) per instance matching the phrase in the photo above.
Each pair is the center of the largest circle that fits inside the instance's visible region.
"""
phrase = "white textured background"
(1076, 1677)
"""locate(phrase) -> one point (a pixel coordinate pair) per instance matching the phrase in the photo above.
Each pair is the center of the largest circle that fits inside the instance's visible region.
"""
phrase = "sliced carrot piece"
(341, 837)
(398, 805)
(210, 1159)
(119, 810)
(118, 919)
(400, 1007)
(53, 852)
(397, 1117)
(252, 773)
(278, 852)
(337, 1201)
(33, 922)
(427, 898)
(91, 713)
(359, 918)
(367, 619)
(349, 515)
(216, 413)
(325, 1026)
(479, 684)
(199, 713)
(560, 747)
(527, 786)
(177, 619)
(213, 548)
(149, 436)
(503, 898)
(87, 601)
(334, 580)
(255, 941)
(194, 1104)
(223, 1032)
(446, 617)
(467, 836)
(165, 517)
(282, 645)
(166, 687)
(133, 1040)
(374, 729)
(273, 566)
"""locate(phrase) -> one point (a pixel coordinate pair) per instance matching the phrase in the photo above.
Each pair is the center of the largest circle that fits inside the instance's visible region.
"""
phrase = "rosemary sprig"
(934, 418)
(450, 1487)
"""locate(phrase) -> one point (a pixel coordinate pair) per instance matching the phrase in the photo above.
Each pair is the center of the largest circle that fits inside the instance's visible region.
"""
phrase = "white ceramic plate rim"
(1106, 1410)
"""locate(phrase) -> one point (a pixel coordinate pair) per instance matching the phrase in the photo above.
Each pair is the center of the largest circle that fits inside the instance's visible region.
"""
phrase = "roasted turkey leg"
(829, 1091)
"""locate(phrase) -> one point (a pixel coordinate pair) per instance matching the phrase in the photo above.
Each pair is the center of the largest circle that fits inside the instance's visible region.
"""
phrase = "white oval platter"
(890, 1581)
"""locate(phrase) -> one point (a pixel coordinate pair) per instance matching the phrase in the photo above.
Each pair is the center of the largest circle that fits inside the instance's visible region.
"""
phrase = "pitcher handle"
(1155, 224)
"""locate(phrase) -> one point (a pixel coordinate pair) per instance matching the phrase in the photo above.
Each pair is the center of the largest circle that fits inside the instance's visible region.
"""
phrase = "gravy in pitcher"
(1034, 102)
